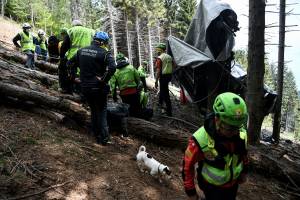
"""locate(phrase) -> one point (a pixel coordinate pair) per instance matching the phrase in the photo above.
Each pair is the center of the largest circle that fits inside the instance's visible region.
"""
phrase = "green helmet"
(231, 109)
(161, 46)
(64, 30)
(120, 56)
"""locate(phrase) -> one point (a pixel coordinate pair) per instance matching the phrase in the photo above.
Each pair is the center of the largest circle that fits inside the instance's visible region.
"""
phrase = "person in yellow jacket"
(127, 79)
(27, 44)
(220, 150)
(43, 44)
(164, 69)
(78, 37)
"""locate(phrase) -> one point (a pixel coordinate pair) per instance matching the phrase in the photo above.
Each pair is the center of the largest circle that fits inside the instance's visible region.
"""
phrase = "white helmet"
(26, 26)
(76, 22)
(41, 32)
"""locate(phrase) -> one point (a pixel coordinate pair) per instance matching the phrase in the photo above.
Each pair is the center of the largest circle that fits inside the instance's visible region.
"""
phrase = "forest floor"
(37, 153)
(43, 159)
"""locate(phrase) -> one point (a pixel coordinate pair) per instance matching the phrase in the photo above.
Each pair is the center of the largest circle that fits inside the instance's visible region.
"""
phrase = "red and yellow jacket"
(194, 154)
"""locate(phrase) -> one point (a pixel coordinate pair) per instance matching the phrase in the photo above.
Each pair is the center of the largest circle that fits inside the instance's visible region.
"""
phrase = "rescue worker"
(78, 37)
(53, 49)
(96, 66)
(43, 45)
(27, 46)
(63, 34)
(164, 69)
(220, 149)
(127, 79)
(142, 73)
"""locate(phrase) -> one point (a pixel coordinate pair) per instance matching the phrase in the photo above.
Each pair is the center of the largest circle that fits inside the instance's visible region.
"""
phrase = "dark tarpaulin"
(204, 60)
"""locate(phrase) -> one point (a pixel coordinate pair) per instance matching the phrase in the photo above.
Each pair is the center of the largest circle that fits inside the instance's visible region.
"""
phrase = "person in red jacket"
(220, 149)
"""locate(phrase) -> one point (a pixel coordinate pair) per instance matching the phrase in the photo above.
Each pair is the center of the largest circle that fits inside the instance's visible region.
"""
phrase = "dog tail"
(142, 148)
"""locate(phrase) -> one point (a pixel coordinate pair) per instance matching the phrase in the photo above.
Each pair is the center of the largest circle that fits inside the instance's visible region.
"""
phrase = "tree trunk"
(32, 16)
(256, 69)
(277, 115)
(76, 10)
(109, 8)
(69, 108)
(19, 71)
(128, 37)
(150, 51)
(21, 58)
(2, 7)
(159, 134)
(137, 26)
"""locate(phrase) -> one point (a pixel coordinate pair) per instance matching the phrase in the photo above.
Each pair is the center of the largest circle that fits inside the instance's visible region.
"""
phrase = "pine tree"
(183, 17)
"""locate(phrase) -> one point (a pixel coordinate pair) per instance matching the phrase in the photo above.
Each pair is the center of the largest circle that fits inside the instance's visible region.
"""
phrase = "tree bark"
(19, 71)
(69, 108)
(153, 132)
(277, 115)
(256, 69)
(76, 10)
(109, 8)
(137, 26)
(21, 58)
(151, 70)
(2, 7)
(129, 50)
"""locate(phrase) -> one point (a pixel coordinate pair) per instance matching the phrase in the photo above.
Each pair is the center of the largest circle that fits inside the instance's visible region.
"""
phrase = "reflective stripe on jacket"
(214, 175)
(80, 37)
(27, 42)
(166, 63)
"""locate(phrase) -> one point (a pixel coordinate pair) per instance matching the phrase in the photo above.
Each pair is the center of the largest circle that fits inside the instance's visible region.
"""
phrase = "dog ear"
(167, 171)
(142, 148)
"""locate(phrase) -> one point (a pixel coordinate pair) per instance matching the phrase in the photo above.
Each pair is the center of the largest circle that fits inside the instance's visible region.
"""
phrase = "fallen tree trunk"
(265, 161)
(260, 159)
(70, 108)
(139, 127)
(157, 134)
(19, 71)
(21, 58)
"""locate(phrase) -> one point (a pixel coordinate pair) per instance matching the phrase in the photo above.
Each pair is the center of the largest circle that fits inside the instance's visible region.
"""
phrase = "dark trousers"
(164, 95)
(133, 100)
(218, 193)
(98, 104)
(63, 77)
(30, 59)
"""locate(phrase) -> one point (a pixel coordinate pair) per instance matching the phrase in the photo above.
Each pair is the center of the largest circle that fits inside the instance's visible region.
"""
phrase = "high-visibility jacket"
(79, 37)
(166, 63)
(27, 42)
(212, 173)
(125, 77)
(141, 71)
(144, 98)
(42, 42)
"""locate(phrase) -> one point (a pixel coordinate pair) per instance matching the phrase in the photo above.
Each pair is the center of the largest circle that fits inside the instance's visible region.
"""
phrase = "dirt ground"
(43, 159)
(37, 153)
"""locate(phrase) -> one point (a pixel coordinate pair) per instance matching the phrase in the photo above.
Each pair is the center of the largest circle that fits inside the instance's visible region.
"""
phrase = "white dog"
(157, 169)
